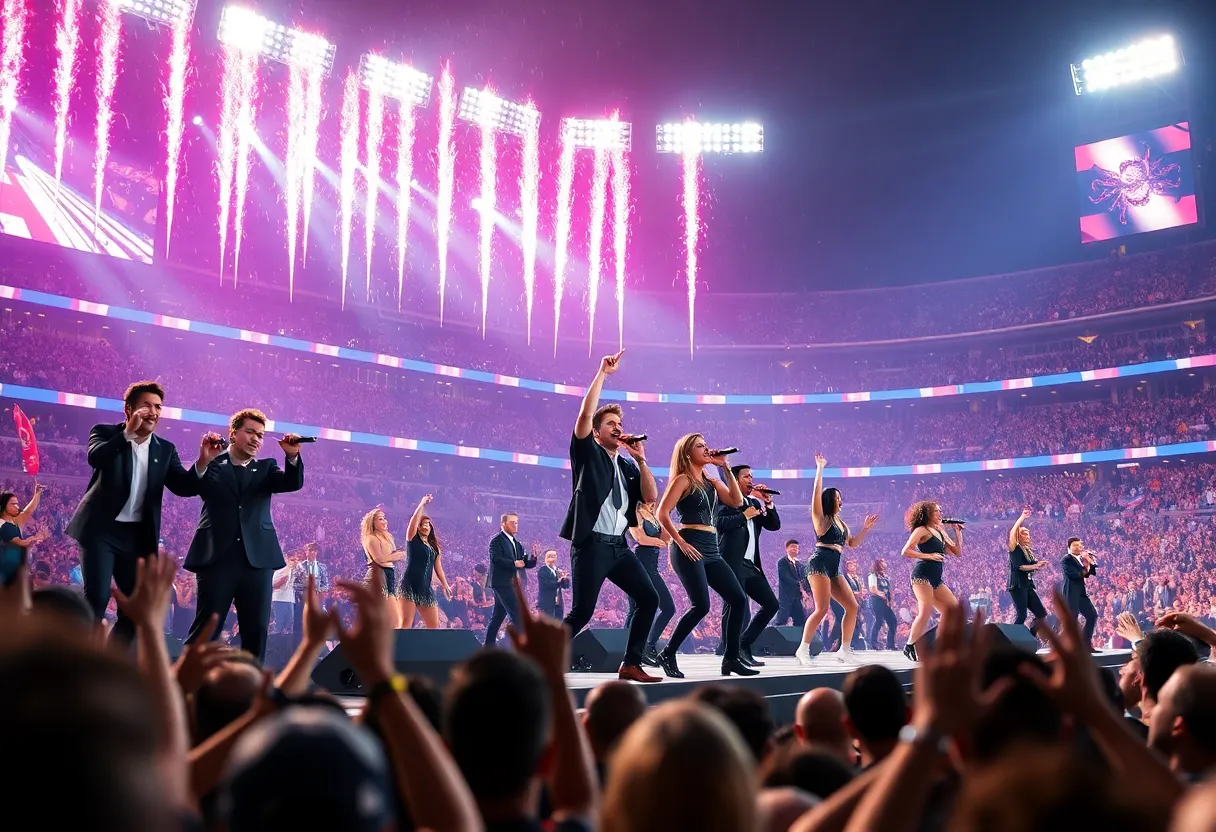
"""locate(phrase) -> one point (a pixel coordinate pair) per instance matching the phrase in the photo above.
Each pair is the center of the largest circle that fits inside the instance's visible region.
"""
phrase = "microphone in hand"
(950, 521)
(631, 439)
(724, 452)
(766, 490)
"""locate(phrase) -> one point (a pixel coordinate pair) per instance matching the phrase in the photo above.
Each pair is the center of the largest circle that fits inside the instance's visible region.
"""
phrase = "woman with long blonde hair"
(382, 555)
(422, 566)
(928, 544)
(693, 552)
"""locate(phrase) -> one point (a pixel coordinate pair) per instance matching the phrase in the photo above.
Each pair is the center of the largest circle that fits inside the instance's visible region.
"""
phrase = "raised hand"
(290, 443)
(1188, 625)
(609, 364)
(820, 462)
(545, 639)
(869, 522)
(637, 450)
(368, 642)
(209, 448)
(1026, 513)
(1127, 627)
(316, 620)
(136, 418)
(949, 694)
(1073, 681)
(198, 659)
(148, 604)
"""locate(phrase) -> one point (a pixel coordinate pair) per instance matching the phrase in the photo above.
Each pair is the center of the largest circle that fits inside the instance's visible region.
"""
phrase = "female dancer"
(928, 544)
(651, 537)
(422, 559)
(693, 553)
(382, 553)
(880, 605)
(1022, 566)
(827, 584)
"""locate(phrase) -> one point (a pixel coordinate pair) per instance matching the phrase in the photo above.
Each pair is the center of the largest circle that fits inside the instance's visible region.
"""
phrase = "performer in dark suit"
(507, 557)
(1022, 566)
(791, 578)
(739, 540)
(118, 520)
(235, 550)
(550, 581)
(1078, 565)
(607, 491)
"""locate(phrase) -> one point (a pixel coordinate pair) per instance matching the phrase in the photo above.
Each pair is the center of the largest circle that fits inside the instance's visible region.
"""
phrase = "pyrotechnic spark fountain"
(599, 199)
(489, 172)
(405, 190)
(308, 149)
(245, 134)
(349, 162)
(620, 232)
(373, 138)
(529, 200)
(226, 140)
(561, 231)
(67, 42)
(12, 51)
(108, 43)
(692, 229)
(447, 174)
(294, 166)
(175, 104)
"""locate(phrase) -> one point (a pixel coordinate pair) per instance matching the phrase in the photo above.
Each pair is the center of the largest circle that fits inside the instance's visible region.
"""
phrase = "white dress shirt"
(749, 554)
(133, 510)
(611, 520)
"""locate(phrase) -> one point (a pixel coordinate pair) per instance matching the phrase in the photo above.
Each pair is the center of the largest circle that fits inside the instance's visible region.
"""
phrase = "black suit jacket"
(230, 512)
(549, 588)
(502, 560)
(1073, 585)
(109, 488)
(732, 530)
(790, 580)
(591, 471)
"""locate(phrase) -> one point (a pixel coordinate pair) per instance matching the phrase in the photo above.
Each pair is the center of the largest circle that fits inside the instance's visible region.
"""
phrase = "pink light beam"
(308, 150)
(446, 162)
(108, 44)
(295, 165)
(405, 188)
(175, 121)
(67, 43)
(489, 173)
(226, 141)
(620, 231)
(12, 54)
(692, 230)
(373, 139)
(599, 200)
(245, 134)
(561, 231)
(529, 201)
(349, 163)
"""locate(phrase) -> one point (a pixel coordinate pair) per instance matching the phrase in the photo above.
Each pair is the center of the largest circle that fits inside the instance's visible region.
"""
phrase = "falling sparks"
(692, 229)
(175, 123)
(599, 199)
(405, 188)
(373, 138)
(226, 141)
(447, 174)
(308, 150)
(529, 201)
(295, 165)
(561, 231)
(107, 80)
(489, 172)
(245, 134)
(12, 51)
(349, 162)
(620, 231)
(67, 43)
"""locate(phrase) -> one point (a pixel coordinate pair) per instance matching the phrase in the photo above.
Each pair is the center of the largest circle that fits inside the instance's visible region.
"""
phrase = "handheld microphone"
(771, 491)
(301, 440)
(630, 440)
(724, 452)
(220, 443)
(950, 521)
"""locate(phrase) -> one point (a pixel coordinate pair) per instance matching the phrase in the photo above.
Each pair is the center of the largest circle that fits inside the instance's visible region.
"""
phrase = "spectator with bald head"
(819, 722)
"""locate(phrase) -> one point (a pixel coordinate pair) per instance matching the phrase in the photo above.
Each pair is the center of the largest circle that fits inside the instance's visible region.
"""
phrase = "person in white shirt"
(283, 597)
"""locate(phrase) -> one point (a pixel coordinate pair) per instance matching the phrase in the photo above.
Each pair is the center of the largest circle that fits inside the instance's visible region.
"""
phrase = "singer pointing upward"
(606, 493)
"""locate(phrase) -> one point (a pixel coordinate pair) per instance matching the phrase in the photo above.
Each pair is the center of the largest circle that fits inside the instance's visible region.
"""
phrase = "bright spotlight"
(394, 80)
(249, 31)
(166, 12)
(747, 137)
(485, 109)
(197, 121)
(598, 133)
(1149, 58)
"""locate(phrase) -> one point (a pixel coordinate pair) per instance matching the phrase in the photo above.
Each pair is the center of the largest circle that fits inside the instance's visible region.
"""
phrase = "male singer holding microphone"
(607, 491)
(739, 541)
(1078, 565)
(235, 550)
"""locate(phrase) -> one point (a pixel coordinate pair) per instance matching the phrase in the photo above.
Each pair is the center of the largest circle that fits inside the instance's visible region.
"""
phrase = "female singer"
(422, 564)
(382, 553)
(827, 584)
(13, 546)
(651, 537)
(928, 544)
(1022, 566)
(880, 605)
(693, 553)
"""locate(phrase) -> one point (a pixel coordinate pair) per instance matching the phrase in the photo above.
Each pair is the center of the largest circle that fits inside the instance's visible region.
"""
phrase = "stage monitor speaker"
(1014, 635)
(430, 653)
(598, 651)
(783, 641)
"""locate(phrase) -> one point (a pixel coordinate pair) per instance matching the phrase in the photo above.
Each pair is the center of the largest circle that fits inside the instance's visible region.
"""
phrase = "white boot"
(803, 655)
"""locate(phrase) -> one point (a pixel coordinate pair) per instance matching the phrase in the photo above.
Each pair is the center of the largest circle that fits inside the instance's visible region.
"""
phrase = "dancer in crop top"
(831, 536)
(928, 544)
(693, 553)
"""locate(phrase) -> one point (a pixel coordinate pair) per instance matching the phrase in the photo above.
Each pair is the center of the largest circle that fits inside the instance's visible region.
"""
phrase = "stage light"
(747, 137)
(598, 133)
(249, 31)
(166, 12)
(197, 121)
(1150, 58)
(485, 109)
(395, 80)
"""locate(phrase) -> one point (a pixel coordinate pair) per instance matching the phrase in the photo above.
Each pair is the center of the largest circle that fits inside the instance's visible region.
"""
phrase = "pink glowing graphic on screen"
(1135, 183)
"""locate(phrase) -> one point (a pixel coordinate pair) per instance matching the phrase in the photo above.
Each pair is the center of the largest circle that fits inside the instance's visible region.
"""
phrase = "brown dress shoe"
(634, 673)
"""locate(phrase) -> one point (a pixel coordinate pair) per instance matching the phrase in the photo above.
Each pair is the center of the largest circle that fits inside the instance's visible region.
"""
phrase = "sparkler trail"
(308, 150)
(405, 188)
(692, 229)
(447, 174)
(107, 79)
(294, 166)
(529, 201)
(225, 164)
(12, 51)
(489, 172)
(561, 231)
(599, 199)
(373, 138)
(349, 162)
(67, 42)
(175, 104)
(245, 134)
(620, 231)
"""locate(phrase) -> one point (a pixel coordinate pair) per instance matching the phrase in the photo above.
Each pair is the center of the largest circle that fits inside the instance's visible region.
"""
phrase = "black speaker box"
(430, 653)
(783, 641)
(598, 651)
(1014, 635)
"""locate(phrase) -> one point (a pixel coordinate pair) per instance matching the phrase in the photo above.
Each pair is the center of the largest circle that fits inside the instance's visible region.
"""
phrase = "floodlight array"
(598, 133)
(166, 12)
(678, 137)
(485, 109)
(1141, 61)
(395, 80)
(249, 31)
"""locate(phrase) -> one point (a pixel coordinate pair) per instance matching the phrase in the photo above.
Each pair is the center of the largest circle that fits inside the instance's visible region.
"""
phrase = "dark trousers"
(111, 555)
(790, 611)
(552, 610)
(667, 604)
(232, 580)
(859, 629)
(756, 587)
(882, 614)
(697, 577)
(1086, 608)
(504, 605)
(602, 558)
(1028, 599)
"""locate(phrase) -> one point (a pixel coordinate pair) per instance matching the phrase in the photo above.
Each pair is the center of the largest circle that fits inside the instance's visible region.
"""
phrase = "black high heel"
(667, 661)
(734, 665)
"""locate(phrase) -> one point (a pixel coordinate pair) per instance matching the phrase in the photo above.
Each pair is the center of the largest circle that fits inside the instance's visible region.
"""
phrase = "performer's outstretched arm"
(591, 399)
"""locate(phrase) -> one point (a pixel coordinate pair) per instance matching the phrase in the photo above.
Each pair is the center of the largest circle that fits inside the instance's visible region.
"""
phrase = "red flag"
(29, 445)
